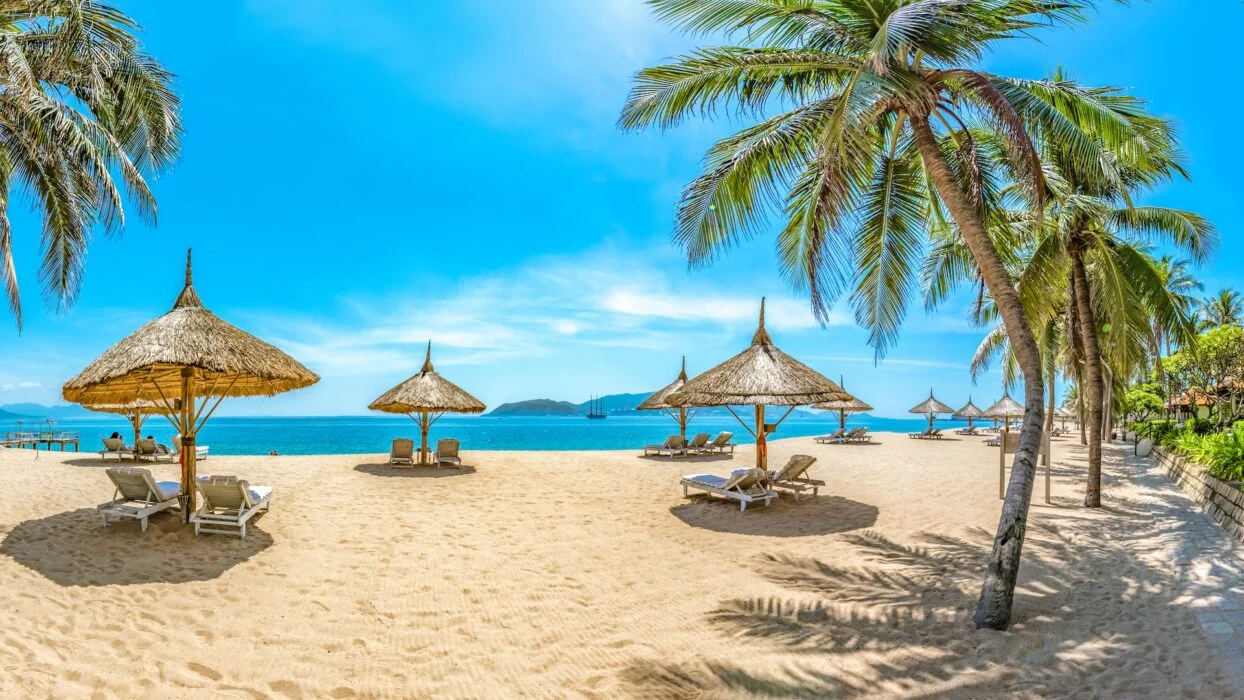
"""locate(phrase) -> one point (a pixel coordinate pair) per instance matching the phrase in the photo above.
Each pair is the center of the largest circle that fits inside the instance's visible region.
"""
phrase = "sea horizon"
(335, 435)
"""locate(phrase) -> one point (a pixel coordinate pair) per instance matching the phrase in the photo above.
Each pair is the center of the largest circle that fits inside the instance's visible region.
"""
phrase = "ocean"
(373, 434)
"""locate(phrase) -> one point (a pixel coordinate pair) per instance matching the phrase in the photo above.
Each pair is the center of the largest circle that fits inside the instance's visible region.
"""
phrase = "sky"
(357, 182)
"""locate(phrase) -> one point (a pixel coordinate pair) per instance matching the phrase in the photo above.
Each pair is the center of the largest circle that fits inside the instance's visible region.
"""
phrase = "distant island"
(613, 405)
(14, 411)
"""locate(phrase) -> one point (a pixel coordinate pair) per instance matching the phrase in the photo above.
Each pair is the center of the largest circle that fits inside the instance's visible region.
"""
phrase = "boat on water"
(596, 408)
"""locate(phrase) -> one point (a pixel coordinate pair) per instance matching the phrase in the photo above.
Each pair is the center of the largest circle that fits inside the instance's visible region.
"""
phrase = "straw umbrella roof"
(969, 411)
(931, 405)
(657, 402)
(760, 375)
(1005, 408)
(147, 365)
(126, 409)
(851, 405)
(1062, 412)
(427, 391)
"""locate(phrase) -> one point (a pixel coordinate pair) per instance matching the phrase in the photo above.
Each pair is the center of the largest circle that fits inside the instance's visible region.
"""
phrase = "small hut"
(843, 406)
(931, 407)
(760, 376)
(969, 413)
(136, 412)
(657, 402)
(1006, 409)
(426, 397)
(182, 361)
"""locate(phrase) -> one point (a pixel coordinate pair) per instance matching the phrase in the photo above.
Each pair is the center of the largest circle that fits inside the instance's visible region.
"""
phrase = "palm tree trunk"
(1092, 368)
(1080, 409)
(998, 590)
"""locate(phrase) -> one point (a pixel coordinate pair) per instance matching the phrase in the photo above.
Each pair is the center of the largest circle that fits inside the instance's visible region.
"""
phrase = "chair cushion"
(258, 493)
(707, 479)
(169, 489)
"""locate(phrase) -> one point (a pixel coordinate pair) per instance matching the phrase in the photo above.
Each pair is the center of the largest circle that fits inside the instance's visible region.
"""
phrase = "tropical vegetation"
(86, 118)
(883, 154)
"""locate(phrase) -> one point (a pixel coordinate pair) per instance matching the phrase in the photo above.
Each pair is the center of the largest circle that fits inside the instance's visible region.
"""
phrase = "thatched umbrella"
(1063, 414)
(1006, 409)
(136, 412)
(426, 397)
(184, 355)
(759, 376)
(657, 402)
(932, 407)
(843, 406)
(969, 412)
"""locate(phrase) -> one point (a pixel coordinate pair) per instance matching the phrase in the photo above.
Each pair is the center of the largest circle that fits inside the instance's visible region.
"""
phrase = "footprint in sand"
(205, 671)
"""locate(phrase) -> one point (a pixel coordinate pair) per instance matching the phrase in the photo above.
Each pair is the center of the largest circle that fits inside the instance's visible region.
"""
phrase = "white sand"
(587, 575)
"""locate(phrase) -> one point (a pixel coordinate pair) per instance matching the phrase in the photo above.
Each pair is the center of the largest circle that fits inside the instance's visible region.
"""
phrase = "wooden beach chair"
(720, 443)
(148, 449)
(994, 441)
(922, 435)
(228, 503)
(746, 486)
(447, 452)
(673, 446)
(793, 477)
(860, 435)
(138, 495)
(835, 437)
(115, 447)
(698, 443)
(402, 451)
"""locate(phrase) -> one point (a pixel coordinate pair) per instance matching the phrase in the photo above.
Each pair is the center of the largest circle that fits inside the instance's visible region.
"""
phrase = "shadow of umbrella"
(388, 470)
(72, 549)
(823, 515)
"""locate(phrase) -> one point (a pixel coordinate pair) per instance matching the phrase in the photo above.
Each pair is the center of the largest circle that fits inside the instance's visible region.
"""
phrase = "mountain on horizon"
(612, 404)
(35, 410)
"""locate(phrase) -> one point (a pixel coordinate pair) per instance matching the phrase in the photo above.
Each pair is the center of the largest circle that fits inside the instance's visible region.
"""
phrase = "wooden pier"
(34, 440)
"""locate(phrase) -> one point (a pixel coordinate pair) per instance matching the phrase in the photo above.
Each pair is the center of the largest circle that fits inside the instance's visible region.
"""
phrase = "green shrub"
(1161, 431)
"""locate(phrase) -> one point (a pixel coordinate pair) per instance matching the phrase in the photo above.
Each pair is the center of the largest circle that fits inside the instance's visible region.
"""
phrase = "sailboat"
(596, 408)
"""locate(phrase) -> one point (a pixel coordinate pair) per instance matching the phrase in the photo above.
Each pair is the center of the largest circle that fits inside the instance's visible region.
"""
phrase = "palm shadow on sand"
(914, 600)
(394, 471)
(74, 549)
(822, 515)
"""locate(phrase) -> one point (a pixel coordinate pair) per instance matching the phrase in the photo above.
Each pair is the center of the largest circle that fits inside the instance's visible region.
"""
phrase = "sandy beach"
(586, 574)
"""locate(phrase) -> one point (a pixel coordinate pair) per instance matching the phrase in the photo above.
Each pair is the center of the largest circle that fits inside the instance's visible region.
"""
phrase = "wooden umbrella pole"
(762, 457)
(423, 438)
(187, 440)
(842, 419)
(682, 423)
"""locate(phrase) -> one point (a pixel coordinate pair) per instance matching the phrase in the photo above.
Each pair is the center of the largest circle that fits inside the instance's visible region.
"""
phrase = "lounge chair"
(402, 451)
(228, 503)
(936, 434)
(859, 435)
(792, 477)
(698, 443)
(447, 452)
(746, 486)
(673, 446)
(994, 441)
(966, 431)
(835, 437)
(148, 449)
(720, 443)
(115, 447)
(138, 495)
(922, 435)
(200, 451)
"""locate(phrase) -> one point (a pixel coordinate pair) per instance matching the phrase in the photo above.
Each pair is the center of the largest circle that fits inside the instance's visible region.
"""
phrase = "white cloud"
(16, 386)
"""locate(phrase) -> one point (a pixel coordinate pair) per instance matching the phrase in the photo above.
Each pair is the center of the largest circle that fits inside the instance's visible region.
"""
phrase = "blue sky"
(355, 182)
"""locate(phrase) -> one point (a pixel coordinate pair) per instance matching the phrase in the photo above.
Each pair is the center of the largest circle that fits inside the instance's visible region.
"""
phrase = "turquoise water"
(372, 434)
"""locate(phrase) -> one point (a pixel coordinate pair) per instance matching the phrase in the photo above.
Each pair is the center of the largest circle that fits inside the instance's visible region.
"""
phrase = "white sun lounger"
(699, 443)
(402, 452)
(833, 438)
(148, 449)
(746, 486)
(860, 435)
(720, 443)
(792, 477)
(674, 445)
(228, 503)
(138, 495)
(115, 447)
(447, 452)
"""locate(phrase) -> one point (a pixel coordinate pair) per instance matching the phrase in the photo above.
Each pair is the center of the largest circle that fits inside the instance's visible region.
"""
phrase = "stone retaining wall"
(1222, 500)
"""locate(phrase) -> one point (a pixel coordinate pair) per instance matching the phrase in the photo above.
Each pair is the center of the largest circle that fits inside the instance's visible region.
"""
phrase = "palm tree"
(876, 139)
(85, 117)
(1226, 309)
(1179, 284)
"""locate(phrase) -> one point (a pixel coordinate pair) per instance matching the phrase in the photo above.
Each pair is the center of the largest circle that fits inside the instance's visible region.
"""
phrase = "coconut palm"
(872, 137)
(85, 117)
(1179, 284)
(1226, 309)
